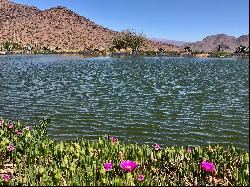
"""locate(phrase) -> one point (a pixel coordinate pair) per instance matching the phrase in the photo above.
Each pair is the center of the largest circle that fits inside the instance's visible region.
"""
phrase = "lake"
(166, 100)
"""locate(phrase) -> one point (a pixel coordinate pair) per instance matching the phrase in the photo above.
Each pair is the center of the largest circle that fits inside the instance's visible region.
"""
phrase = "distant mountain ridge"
(173, 42)
(57, 27)
(210, 43)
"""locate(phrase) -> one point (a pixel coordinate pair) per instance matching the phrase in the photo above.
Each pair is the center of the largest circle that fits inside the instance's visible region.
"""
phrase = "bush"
(29, 157)
(221, 54)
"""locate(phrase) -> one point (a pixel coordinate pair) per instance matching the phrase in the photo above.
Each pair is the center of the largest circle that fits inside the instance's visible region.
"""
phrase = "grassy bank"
(29, 157)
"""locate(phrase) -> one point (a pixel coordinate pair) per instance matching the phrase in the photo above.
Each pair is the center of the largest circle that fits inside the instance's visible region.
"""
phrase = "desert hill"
(57, 27)
(228, 43)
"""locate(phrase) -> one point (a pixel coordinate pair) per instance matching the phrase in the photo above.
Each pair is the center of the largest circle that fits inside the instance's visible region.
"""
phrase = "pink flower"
(207, 166)
(157, 146)
(10, 148)
(6, 178)
(1, 122)
(10, 126)
(140, 178)
(18, 132)
(108, 166)
(128, 165)
(114, 139)
(189, 149)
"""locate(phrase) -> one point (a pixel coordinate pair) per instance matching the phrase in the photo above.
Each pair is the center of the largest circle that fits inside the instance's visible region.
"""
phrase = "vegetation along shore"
(29, 157)
(130, 43)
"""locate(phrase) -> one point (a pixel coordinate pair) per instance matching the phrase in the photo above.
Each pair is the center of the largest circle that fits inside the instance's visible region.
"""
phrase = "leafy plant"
(29, 157)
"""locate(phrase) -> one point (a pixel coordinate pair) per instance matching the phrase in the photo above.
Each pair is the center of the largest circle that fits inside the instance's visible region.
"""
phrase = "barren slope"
(228, 43)
(56, 27)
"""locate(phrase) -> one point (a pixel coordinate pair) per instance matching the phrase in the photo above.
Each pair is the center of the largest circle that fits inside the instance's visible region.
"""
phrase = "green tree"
(10, 46)
(134, 40)
(188, 49)
(129, 39)
(242, 49)
(119, 43)
(219, 48)
(45, 48)
(161, 50)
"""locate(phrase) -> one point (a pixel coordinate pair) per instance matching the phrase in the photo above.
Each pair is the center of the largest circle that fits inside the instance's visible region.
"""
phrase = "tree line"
(239, 50)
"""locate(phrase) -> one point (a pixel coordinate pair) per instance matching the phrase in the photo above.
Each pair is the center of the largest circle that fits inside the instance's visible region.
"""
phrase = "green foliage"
(161, 50)
(45, 48)
(242, 49)
(39, 161)
(188, 49)
(221, 54)
(129, 39)
(119, 43)
(10, 46)
(219, 48)
(44, 52)
(14, 46)
(134, 40)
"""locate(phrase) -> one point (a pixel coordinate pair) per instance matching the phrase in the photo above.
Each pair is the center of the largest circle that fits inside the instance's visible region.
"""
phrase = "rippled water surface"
(171, 101)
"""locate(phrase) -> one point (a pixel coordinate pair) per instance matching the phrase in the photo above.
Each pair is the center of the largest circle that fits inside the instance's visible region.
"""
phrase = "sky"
(181, 20)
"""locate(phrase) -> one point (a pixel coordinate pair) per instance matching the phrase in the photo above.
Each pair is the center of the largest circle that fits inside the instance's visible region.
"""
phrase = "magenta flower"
(108, 166)
(10, 148)
(157, 146)
(114, 139)
(10, 126)
(128, 165)
(208, 166)
(18, 132)
(140, 178)
(6, 178)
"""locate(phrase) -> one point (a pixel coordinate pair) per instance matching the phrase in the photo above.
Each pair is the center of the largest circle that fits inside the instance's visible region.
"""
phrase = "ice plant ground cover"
(31, 158)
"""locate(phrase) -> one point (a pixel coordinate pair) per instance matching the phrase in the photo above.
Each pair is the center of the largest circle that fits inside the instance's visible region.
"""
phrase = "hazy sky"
(186, 20)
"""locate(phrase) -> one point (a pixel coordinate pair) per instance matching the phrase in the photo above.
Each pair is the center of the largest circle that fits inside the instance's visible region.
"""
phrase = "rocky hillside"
(228, 43)
(56, 27)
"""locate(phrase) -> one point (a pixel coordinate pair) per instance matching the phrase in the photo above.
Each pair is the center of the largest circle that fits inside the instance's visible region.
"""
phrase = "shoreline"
(86, 54)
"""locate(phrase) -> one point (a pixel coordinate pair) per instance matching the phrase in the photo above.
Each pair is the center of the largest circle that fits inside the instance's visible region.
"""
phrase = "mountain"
(173, 42)
(210, 43)
(57, 27)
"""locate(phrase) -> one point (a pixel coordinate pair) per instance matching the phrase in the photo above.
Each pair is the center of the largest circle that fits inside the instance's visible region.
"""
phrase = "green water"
(170, 101)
